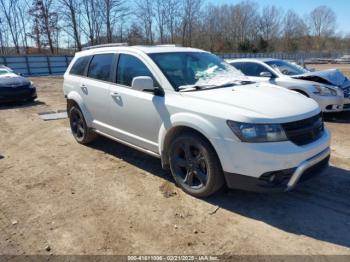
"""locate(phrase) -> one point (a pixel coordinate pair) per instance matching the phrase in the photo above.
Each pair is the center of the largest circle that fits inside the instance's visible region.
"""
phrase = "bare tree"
(172, 14)
(92, 20)
(145, 14)
(71, 12)
(45, 22)
(270, 23)
(191, 10)
(160, 10)
(294, 28)
(112, 11)
(24, 18)
(322, 21)
(9, 10)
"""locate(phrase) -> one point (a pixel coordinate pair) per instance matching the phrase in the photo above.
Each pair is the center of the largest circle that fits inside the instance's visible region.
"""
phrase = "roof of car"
(264, 60)
(148, 49)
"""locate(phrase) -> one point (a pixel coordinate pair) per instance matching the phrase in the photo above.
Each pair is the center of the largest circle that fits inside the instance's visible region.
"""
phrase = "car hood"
(258, 103)
(329, 77)
(13, 80)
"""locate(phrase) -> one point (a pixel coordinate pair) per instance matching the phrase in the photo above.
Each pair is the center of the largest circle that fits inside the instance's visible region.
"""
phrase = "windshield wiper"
(189, 88)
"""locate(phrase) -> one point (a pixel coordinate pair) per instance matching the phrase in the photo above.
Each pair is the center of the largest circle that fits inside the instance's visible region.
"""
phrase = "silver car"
(330, 88)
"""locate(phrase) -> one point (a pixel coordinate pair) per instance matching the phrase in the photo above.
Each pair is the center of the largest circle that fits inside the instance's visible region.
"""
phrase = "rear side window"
(79, 66)
(129, 67)
(100, 67)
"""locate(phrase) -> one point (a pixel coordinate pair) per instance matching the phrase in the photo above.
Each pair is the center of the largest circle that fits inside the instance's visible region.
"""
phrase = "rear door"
(95, 88)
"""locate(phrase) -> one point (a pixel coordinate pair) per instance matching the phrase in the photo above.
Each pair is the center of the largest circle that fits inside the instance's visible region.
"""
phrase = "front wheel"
(81, 132)
(195, 165)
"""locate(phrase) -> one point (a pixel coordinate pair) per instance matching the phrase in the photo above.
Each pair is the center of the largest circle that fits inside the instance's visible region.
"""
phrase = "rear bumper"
(281, 180)
(18, 95)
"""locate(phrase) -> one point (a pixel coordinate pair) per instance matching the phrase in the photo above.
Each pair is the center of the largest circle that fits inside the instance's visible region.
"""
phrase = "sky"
(302, 7)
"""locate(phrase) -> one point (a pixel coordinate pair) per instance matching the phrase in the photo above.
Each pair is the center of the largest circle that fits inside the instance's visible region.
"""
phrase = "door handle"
(115, 94)
(84, 88)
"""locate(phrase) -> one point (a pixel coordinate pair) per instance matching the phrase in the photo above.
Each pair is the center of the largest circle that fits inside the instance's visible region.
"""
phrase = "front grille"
(305, 131)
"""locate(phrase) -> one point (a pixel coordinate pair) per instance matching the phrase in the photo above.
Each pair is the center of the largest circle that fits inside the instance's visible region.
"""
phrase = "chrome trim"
(129, 144)
(305, 165)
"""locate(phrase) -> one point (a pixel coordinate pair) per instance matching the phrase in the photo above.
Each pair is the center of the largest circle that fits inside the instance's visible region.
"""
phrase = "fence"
(296, 56)
(37, 65)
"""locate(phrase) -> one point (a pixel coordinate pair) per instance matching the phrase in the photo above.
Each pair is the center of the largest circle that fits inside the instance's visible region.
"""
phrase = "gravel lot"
(109, 199)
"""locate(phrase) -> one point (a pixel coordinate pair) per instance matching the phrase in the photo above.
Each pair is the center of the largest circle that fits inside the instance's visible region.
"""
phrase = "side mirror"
(142, 83)
(266, 74)
(146, 84)
(311, 69)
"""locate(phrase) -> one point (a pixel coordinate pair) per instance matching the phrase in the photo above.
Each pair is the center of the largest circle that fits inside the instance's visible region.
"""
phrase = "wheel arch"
(74, 98)
(300, 91)
(185, 123)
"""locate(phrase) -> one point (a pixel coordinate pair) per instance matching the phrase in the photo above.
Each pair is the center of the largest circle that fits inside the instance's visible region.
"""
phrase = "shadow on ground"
(141, 160)
(319, 208)
(14, 105)
(341, 117)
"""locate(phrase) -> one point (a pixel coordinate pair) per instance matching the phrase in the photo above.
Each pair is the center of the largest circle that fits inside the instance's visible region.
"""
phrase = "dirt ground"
(109, 199)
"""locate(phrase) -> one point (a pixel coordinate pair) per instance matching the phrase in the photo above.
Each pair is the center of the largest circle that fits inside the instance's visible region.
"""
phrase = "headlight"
(31, 85)
(324, 91)
(257, 133)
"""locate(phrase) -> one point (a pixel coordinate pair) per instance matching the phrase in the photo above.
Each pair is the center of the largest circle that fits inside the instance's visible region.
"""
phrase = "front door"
(135, 115)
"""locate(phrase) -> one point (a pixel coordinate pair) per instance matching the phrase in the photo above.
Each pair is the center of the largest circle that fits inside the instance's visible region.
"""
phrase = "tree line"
(61, 26)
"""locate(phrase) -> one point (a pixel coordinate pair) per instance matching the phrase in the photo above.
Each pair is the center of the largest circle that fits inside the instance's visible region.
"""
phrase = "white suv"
(199, 115)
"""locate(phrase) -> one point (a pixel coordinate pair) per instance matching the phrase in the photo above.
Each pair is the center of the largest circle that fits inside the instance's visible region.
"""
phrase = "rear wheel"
(195, 165)
(81, 132)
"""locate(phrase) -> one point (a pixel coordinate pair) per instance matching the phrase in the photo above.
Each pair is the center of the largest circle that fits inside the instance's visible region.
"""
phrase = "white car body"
(328, 103)
(146, 121)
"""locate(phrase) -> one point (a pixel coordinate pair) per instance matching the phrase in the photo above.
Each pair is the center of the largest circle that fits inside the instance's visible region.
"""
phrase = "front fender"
(76, 97)
(189, 120)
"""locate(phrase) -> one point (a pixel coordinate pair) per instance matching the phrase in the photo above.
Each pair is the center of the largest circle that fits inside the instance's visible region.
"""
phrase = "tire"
(81, 132)
(31, 100)
(195, 165)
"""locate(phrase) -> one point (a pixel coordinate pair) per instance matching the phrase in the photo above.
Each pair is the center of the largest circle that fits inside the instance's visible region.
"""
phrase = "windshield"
(185, 69)
(287, 68)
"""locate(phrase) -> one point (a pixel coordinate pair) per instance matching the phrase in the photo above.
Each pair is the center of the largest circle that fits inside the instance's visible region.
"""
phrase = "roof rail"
(168, 45)
(105, 45)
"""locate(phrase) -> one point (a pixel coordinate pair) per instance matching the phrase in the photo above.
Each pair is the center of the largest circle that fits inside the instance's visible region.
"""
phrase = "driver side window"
(129, 67)
(254, 69)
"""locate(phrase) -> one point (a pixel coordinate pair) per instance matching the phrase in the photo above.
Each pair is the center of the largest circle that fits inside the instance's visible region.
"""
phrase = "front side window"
(79, 66)
(254, 69)
(100, 67)
(286, 68)
(239, 65)
(184, 69)
(129, 67)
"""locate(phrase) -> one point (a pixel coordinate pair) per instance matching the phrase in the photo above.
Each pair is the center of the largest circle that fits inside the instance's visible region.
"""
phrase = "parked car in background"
(14, 87)
(199, 115)
(329, 88)
(345, 59)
